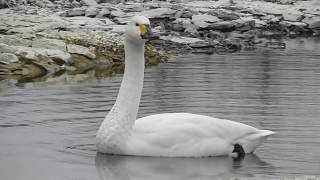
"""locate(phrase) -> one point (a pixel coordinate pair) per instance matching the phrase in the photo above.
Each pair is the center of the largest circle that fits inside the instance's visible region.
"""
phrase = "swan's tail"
(252, 141)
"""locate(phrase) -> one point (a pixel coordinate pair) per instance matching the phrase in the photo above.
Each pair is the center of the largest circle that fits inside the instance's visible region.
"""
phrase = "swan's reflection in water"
(152, 168)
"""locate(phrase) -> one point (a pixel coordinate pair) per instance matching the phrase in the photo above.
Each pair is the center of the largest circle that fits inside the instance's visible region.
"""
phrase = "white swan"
(171, 134)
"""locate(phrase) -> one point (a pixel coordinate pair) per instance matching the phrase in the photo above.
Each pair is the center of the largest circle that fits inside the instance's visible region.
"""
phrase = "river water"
(47, 130)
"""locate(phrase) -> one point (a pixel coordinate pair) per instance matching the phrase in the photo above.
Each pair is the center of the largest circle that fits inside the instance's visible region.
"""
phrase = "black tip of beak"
(149, 35)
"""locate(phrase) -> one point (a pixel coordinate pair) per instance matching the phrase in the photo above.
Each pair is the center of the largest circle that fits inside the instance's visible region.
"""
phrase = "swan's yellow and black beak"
(145, 31)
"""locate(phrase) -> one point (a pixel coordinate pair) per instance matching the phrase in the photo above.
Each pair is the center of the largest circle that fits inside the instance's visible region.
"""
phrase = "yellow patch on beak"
(143, 29)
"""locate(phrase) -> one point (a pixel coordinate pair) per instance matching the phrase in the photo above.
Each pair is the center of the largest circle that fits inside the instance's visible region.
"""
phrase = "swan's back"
(190, 135)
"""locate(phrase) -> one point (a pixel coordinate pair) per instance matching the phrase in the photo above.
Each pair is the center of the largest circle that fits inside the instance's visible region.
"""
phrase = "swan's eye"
(137, 24)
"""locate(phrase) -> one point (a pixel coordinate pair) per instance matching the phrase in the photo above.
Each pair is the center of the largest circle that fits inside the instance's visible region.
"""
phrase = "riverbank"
(48, 38)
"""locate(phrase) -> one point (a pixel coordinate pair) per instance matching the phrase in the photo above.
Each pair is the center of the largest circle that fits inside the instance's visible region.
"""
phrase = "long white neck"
(118, 124)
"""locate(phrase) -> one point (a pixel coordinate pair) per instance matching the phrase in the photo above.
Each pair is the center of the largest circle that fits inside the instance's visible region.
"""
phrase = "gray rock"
(76, 49)
(15, 40)
(4, 48)
(216, 35)
(293, 16)
(117, 13)
(7, 58)
(224, 15)
(204, 20)
(178, 27)
(159, 13)
(87, 22)
(187, 14)
(25, 52)
(191, 29)
(89, 2)
(223, 26)
(247, 23)
(314, 23)
(49, 44)
(178, 14)
(104, 13)
(296, 24)
(287, 1)
(91, 12)
(61, 57)
(75, 12)
(181, 24)
(182, 40)
(200, 44)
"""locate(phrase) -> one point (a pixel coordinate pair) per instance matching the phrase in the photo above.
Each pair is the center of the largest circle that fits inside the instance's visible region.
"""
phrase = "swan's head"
(138, 29)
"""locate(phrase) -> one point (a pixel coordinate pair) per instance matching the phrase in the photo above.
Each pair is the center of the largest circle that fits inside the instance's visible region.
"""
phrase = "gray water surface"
(47, 129)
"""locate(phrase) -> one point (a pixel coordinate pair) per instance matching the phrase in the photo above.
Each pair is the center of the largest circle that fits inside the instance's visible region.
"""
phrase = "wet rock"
(49, 44)
(75, 12)
(204, 20)
(80, 50)
(159, 13)
(91, 12)
(224, 26)
(7, 58)
(81, 63)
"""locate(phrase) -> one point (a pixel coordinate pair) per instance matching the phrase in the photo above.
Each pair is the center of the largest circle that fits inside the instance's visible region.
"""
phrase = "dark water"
(47, 129)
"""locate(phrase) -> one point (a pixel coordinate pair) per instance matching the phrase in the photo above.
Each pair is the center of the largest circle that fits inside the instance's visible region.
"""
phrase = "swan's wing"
(184, 134)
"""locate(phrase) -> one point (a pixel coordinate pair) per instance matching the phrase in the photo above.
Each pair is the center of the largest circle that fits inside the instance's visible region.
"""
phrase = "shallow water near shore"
(47, 130)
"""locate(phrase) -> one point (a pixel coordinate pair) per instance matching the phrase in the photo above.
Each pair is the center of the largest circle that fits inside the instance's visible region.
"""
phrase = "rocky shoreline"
(47, 38)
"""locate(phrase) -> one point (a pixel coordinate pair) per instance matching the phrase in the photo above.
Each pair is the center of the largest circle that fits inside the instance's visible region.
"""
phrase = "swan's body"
(171, 134)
